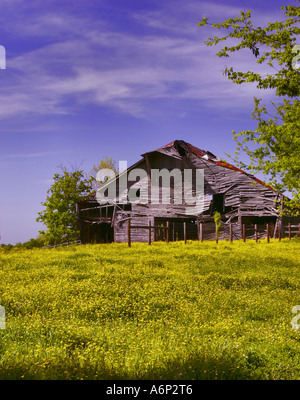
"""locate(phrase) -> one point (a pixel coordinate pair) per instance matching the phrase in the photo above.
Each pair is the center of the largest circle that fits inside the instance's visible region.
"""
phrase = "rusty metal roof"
(207, 155)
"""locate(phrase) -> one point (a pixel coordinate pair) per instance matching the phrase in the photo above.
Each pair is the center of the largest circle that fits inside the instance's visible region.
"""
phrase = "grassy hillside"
(194, 311)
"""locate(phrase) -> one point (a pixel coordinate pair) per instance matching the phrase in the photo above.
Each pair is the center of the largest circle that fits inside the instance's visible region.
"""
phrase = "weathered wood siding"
(244, 200)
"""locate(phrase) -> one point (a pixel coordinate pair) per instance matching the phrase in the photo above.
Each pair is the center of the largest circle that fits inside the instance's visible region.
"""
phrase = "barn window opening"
(217, 203)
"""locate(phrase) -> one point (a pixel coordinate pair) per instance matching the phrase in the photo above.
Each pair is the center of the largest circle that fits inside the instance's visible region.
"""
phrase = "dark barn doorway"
(97, 233)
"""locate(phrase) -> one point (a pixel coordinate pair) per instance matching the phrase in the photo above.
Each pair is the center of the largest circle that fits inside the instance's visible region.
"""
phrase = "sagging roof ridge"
(208, 156)
(204, 154)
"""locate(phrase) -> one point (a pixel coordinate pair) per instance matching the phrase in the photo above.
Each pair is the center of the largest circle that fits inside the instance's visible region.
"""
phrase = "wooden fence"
(65, 244)
(291, 230)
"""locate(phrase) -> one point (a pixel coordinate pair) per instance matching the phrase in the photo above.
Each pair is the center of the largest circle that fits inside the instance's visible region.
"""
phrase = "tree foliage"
(274, 147)
(59, 215)
(105, 163)
(217, 219)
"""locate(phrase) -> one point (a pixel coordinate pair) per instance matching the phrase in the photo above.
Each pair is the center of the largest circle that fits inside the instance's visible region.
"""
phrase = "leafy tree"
(274, 147)
(105, 163)
(218, 224)
(59, 214)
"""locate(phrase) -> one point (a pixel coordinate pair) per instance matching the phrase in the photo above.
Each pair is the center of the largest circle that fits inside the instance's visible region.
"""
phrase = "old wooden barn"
(239, 197)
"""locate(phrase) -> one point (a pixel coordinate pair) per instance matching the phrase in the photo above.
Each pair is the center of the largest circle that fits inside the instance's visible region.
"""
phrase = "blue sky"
(87, 79)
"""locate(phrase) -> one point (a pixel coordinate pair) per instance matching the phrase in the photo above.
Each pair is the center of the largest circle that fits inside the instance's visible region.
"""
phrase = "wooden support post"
(255, 228)
(290, 233)
(184, 232)
(244, 233)
(268, 234)
(216, 233)
(77, 222)
(149, 237)
(168, 231)
(230, 232)
(113, 216)
(128, 233)
(200, 230)
(279, 231)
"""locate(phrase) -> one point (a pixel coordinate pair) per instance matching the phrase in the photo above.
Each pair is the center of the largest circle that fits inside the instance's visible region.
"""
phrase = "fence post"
(184, 232)
(255, 228)
(149, 236)
(244, 233)
(268, 234)
(128, 234)
(168, 228)
(290, 231)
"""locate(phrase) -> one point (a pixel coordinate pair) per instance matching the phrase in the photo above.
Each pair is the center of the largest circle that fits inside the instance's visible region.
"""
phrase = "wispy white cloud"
(31, 155)
(89, 63)
(176, 19)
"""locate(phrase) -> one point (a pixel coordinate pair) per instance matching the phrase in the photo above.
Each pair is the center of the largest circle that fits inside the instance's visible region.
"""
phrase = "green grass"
(194, 311)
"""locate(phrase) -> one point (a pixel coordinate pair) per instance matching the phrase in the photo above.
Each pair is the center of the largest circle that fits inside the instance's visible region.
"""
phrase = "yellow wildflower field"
(165, 311)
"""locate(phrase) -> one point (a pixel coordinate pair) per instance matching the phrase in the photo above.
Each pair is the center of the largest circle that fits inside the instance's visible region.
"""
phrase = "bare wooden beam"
(201, 231)
(95, 208)
(168, 231)
(150, 232)
(77, 221)
(147, 227)
(148, 165)
(184, 232)
(128, 234)
(95, 219)
(114, 215)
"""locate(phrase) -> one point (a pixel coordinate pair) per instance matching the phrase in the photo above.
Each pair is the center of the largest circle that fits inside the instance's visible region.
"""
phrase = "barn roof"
(178, 148)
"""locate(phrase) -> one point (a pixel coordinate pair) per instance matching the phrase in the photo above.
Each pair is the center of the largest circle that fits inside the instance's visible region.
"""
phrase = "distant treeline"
(38, 242)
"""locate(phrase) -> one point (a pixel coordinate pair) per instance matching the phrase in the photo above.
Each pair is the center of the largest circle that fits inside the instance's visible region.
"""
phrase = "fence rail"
(66, 244)
(291, 231)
